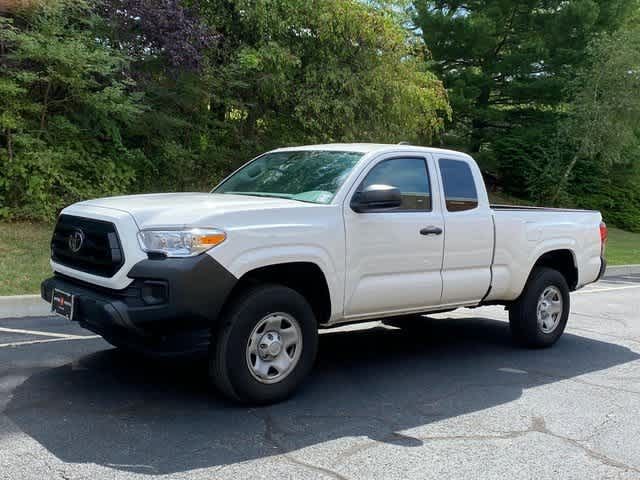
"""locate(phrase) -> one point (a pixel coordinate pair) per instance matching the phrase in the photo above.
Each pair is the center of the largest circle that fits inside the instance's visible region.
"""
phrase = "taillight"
(604, 234)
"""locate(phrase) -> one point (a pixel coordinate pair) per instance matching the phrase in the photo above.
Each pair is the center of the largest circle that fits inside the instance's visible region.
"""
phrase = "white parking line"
(39, 333)
(49, 340)
(597, 290)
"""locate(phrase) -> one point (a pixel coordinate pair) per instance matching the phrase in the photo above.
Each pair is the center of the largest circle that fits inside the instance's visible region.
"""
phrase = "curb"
(23, 306)
(614, 270)
(16, 306)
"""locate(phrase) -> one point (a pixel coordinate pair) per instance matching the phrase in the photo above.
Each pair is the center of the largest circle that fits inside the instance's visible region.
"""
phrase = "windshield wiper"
(260, 194)
(286, 196)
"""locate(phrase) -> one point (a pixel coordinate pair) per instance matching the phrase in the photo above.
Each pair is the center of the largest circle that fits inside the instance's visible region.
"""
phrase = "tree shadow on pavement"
(159, 416)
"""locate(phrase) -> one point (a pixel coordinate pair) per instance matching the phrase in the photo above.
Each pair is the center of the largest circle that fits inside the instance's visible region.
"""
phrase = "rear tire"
(539, 316)
(265, 346)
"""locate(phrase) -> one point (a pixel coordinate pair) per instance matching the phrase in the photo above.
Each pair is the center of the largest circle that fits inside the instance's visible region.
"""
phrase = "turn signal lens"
(212, 239)
(180, 243)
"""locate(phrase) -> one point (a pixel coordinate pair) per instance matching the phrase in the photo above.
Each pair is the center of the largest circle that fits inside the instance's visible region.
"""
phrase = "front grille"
(99, 252)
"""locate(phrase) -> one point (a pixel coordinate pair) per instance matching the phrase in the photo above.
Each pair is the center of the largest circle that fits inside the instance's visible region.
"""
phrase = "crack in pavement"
(608, 418)
(538, 425)
(583, 382)
(269, 431)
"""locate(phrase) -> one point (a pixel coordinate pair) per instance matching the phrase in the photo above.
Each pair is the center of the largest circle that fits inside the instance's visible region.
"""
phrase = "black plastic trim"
(179, 319)
(102, 252)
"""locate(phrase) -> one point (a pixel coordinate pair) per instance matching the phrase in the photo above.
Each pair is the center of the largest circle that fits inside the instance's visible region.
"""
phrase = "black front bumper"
(170, 307)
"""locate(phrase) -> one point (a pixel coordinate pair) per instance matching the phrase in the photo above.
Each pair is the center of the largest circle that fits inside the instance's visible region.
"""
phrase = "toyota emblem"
(75, 240)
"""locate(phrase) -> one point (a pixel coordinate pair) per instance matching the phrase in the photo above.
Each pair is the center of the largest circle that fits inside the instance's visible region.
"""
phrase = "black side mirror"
(375, 198)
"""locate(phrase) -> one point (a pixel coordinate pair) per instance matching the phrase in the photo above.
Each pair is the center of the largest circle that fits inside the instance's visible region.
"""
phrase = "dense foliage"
(116, 96)
(66, 105)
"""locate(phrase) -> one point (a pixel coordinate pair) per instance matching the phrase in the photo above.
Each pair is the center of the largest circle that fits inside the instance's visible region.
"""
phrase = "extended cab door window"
(459, 187)
(409, 175)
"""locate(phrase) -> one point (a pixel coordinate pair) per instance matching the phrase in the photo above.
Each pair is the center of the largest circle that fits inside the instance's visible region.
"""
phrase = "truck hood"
(187, 209)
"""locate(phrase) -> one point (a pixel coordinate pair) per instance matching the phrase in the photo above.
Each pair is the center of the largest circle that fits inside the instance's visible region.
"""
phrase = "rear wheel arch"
(561, 260)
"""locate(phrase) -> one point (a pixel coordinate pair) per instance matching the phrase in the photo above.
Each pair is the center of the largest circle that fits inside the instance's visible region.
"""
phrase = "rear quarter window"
(459, 187)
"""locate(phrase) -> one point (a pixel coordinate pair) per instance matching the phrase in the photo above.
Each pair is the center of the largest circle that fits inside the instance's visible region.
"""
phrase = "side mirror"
(376, 198)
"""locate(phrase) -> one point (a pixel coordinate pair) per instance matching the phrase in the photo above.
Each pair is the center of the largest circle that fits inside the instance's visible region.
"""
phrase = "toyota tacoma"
(314, 237)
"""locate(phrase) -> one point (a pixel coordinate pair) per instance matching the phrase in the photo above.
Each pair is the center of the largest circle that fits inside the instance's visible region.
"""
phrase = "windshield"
(306, 175)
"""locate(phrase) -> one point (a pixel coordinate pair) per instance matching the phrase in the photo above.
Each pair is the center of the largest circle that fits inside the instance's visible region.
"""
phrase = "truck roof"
(369, 148)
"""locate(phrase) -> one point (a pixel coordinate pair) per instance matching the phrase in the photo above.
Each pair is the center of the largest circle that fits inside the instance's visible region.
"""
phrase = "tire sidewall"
(545, 278)
(248, 312)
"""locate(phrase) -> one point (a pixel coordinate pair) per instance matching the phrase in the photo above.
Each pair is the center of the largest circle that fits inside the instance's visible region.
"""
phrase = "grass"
(24, 257)
(24, 254)
(623, 248)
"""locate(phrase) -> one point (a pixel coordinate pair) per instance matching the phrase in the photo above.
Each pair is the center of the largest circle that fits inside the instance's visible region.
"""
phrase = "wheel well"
(563, 262)
(304, 277)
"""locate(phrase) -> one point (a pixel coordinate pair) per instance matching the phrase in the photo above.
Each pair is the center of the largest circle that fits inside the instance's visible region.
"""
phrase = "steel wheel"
(274, 347)
(549, 309)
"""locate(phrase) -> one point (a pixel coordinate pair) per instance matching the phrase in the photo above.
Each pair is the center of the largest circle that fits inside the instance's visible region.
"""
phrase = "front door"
(394, 258)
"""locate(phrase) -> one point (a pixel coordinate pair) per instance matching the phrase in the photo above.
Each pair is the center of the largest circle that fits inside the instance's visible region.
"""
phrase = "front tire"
(265, 346)
(539, 316)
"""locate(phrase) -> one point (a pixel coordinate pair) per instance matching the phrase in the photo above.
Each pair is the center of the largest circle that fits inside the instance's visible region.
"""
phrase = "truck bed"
(523, 234)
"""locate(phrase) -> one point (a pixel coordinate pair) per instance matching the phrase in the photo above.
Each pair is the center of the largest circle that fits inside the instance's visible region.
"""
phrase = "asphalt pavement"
(450, 398)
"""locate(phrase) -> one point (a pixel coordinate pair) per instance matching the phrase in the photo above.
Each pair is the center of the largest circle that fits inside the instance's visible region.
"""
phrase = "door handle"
(431, 230)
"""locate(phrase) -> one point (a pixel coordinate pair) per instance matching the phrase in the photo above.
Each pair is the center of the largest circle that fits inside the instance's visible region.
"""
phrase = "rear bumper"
(169, 308)
(603, 268)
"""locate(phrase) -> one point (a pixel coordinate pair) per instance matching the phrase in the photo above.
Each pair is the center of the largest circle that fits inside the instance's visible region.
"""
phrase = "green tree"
(329, 70)
(65, 104)
(603, 120)
(602, 129)
(506, 63)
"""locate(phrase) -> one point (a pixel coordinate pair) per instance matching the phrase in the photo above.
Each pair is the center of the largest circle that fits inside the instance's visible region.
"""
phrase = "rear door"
(390, 265)
(469, 232)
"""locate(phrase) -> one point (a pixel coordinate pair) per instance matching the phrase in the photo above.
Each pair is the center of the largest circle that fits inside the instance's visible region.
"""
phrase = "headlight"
(180, 243)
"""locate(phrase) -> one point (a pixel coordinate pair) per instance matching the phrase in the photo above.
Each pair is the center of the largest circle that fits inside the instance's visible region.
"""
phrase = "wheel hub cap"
(274, 347)
(549, 310)
(270, 345)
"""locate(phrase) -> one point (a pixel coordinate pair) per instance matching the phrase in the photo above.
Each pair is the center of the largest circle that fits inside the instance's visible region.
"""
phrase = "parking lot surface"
(451, 398)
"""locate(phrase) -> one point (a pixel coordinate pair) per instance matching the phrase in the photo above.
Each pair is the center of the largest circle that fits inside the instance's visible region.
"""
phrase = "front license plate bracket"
(62, 303)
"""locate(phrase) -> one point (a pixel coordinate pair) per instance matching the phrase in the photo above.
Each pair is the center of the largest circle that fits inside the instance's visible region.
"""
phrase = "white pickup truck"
(314, 237)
